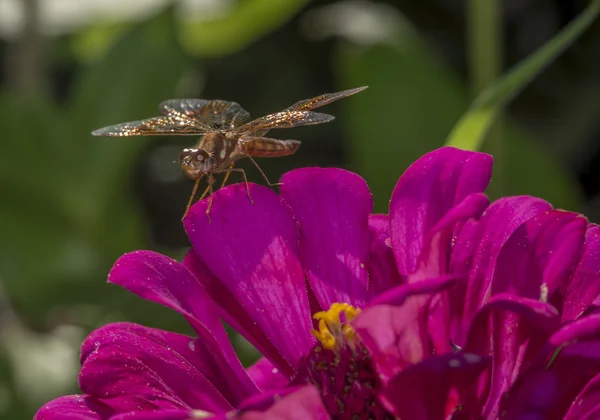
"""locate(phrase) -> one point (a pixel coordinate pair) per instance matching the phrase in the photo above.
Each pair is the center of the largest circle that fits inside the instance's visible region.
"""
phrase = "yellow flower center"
(333, 333)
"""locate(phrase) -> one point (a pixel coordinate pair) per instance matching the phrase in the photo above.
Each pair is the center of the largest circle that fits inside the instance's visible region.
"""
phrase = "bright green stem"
(471, 129)
(485, 52)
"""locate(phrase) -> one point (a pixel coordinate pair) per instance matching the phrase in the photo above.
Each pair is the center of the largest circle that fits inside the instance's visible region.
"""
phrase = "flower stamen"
(333, 333)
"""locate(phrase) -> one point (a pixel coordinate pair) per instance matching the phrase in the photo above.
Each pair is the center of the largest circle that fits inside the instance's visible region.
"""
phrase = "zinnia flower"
(523, 287)
(463, 309)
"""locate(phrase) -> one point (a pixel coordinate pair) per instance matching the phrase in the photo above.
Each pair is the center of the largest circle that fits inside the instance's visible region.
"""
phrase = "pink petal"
(332, 208)
(155, 369)
(512, 329)
(422, 391)
(540, 256)
(383, 271)
(584, 328)
(576, 365)
(161, 415)
(303, 404)
(490, 234)
(160, 279)
(562, 380)
(587, 404)
(532, 397)
(560, 377)
(72, 407)
(396, 333)
(428, 189)
(231, 310)
(434, 261)
(585, 283)
(266, 376)
(253, 250)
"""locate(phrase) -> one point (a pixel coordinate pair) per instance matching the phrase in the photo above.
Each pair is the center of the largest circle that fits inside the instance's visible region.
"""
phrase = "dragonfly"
(228, 134)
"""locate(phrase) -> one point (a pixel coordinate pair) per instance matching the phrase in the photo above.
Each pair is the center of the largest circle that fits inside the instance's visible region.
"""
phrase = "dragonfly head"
(195, 162)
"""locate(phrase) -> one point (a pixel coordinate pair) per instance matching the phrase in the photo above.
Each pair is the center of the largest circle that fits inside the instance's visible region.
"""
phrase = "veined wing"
(284, 119)
(156, 126)
(322, 100)
(217, 114)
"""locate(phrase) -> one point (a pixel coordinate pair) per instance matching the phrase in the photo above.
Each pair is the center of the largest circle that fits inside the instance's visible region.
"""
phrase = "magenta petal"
(435, 258)
(532, 397)
(585, 328)
(576, 365)
(160, 279)
(231, 310)
(383, 271)
(512, 329)
(396, 333)
(156, 369)
(332, 208)
(540, 256)
(585, 283)
(398, 295)
(162, 415)
(70, 407)
(574, 355)
(435, 261)
(303, 404)
(587, 404)
(422, 391)
(266, 376)
(253, 250)
(571, 365)
(428, 189)
(490, 234)
(395, 336)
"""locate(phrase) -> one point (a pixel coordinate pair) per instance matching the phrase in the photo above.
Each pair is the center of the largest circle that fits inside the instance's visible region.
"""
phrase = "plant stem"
(485, 51)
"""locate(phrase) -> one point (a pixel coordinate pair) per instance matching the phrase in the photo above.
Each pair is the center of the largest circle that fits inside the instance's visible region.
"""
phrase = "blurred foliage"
(469, 133)
(71, 202)
(417, 120)
(244, 24)
(69, 211)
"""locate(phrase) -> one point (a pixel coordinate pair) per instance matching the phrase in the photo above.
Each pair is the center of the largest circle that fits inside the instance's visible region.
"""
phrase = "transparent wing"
(322, 100)
(217, 114)
(284, 119)
(156, 126)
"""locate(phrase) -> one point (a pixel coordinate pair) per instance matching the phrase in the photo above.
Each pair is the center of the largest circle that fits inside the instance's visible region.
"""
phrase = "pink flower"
(462, 305)
(522, 289)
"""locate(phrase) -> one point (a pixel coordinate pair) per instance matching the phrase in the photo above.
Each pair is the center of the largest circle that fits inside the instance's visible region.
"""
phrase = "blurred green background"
(70, 203)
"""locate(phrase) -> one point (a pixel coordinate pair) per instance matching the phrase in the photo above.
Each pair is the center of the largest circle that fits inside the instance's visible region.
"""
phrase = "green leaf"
(411, 105)
(245, 23)
(470, 131)
(248, 21)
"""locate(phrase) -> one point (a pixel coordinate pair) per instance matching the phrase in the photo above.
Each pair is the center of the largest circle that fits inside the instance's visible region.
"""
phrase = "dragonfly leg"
(229, 170)
(263, 174)
(227, 175)
(211, 181)
(205, 191)
(192, 195)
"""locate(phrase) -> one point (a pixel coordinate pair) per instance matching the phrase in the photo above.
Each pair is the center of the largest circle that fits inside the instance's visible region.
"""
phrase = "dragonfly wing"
(284, 119)
(156, 126)
(322, 100)
(217, 114)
